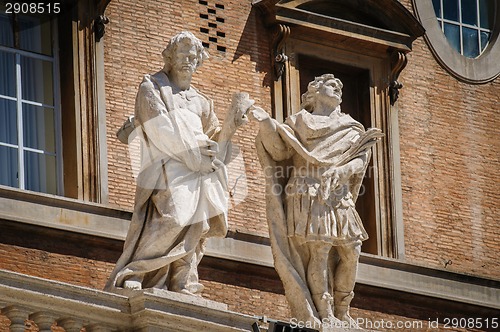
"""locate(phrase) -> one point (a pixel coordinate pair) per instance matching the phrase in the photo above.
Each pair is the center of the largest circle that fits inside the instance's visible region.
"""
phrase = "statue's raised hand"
(240, 105)
(257, 114)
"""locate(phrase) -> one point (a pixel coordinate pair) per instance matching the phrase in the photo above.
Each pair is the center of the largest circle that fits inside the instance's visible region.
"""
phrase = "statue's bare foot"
(132, 284)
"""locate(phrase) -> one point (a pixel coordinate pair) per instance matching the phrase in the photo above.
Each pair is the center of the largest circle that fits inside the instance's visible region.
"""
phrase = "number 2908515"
(32, 8)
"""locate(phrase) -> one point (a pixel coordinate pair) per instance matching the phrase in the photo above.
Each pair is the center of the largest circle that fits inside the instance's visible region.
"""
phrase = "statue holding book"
(314, 165)
(181, 197)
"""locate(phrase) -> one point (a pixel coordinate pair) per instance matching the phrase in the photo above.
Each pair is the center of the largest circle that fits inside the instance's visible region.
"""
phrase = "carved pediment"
(381, 22)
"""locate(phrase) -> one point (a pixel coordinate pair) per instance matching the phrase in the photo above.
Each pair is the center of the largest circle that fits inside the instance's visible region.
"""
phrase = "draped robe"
(176, 207)
(319, 143)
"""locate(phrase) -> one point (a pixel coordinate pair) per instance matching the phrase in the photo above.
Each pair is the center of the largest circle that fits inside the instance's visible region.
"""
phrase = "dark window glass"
(8, 74)
(450, 10)
(437, 7)
(469, 12)
(8, 122)
(37, 81)
(486, 14)
(6, 31)
(8, 171)
(452, 33)
(40, 172)
(35, 34)
(39, 128)
(470, 42)
(485, 37)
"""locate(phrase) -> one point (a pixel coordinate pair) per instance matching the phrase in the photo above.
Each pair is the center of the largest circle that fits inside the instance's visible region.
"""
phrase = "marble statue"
(181, 195)
(314, 165)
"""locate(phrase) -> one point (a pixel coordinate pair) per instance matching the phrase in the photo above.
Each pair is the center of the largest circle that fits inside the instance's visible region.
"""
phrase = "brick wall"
(449, 143)
(448, 129)
(135, 38)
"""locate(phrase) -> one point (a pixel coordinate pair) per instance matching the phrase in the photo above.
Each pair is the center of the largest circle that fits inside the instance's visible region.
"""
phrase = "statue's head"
(184, 42)
(324, 86)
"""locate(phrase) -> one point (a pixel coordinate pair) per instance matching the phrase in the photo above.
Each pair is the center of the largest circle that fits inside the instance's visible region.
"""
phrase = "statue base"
(155, 309)
(172, 296)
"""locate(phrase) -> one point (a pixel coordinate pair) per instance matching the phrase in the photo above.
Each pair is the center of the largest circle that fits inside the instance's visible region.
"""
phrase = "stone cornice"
(69, 215)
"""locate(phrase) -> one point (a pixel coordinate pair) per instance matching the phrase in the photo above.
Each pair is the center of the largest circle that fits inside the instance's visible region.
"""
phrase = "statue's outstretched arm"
(236, 117)
(271, 139)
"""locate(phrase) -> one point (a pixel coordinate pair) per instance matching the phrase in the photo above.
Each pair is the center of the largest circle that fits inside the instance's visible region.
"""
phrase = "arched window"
(467, 24)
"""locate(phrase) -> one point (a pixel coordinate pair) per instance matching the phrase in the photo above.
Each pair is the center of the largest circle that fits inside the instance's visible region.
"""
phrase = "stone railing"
(72, 308)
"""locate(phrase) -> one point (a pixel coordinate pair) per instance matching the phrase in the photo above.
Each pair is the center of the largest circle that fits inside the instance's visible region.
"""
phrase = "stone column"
(43, 320)
(18, 316)
(70, 324)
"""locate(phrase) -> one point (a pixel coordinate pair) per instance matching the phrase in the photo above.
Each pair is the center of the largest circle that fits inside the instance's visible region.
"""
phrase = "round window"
(467, 24)
(463, 34)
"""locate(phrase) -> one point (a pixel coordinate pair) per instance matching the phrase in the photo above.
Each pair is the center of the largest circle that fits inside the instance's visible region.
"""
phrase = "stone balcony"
(72, 308)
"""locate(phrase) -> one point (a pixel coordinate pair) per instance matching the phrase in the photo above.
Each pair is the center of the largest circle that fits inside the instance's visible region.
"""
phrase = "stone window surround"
(389, 221)
(84, 115)
(70, 215)
(482, 69)
(80, 95)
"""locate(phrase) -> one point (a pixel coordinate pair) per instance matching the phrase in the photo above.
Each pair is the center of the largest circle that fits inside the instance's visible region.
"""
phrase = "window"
(52, 105)
(30, 139)
(463, 36)
(467, 24)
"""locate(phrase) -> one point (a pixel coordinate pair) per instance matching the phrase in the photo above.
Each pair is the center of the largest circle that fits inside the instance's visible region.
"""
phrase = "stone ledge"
(167, 297)
(147, 310)
(63, 213)
(108, 223)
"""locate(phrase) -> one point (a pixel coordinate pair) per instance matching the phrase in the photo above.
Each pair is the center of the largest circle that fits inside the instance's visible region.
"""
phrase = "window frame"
(385, 156)
(461, 25)
(20, 147)
(483, 69)
(80, 51)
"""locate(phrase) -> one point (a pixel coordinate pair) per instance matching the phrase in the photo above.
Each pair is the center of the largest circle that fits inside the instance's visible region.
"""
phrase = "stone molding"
(23, 296)
(109, 223)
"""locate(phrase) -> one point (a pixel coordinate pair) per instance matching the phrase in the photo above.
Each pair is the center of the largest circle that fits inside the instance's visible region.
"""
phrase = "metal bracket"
(101, 20)
(99, 26)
